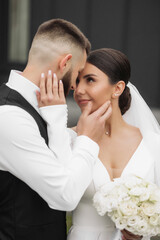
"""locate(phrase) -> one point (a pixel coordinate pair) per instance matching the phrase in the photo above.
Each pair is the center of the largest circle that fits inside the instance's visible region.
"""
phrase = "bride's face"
(92, 85)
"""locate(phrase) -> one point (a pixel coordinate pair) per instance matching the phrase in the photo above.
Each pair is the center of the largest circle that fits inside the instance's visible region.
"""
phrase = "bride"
(129, 145)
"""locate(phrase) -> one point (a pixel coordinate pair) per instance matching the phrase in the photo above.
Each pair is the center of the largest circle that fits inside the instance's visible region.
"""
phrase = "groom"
(36, 187)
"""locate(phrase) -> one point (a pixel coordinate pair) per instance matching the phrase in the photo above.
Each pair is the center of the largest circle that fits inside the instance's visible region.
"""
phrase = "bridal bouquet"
(132, 203)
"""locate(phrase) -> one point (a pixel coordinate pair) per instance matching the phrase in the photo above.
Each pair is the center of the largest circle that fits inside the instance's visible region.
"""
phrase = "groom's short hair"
(68, 32)
(58, 31)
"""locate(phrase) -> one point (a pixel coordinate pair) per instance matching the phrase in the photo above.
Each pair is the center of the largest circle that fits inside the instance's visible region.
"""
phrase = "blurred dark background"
(130, 26)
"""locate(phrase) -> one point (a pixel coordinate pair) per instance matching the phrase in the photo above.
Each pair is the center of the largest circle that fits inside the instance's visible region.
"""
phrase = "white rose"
(157, 207)
(111, 203)
(122, 193)
(132, 181)
(128, 208)
(145, 196)
(153, 220)
(155, 195)
(107, 188)
(114, 216)
(118, 181)
(148, 208)
(142, 227)
(133, 220)
(137, 191)
(121, 223)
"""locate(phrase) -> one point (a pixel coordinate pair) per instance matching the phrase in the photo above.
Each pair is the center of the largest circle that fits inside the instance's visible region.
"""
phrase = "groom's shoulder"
(14, 119)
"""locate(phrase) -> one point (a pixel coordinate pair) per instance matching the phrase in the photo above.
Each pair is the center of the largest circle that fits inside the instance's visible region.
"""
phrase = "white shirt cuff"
(55, 114)
(87, 144)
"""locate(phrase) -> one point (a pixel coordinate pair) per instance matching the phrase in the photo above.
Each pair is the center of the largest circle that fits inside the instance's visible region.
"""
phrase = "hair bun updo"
(125, 100)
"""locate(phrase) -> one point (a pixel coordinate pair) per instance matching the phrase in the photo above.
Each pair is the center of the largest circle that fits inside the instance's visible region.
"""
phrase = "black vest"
(24, 215)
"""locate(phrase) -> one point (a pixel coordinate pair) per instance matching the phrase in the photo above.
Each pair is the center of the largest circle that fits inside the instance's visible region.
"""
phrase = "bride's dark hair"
(117, 67)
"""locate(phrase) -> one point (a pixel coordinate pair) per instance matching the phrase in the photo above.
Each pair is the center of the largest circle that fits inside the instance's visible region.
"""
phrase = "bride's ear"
(64, 63)
(118, 89)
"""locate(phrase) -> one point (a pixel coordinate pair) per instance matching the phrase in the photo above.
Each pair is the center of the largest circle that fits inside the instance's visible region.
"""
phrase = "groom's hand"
(93, 124)
(126, 235)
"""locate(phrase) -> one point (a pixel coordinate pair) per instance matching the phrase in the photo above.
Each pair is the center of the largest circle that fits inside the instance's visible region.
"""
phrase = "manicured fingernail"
(42, 75)
(60, 81)
(54, 75)
(49, 72)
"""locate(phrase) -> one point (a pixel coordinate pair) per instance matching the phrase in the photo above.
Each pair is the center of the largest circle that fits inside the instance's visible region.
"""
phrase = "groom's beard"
(67, 82)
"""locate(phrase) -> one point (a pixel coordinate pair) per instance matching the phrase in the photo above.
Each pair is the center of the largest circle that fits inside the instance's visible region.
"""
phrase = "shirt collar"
(24, 86)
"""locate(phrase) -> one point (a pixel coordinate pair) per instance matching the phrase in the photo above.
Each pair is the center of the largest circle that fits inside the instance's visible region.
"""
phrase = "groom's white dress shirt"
(60, 176)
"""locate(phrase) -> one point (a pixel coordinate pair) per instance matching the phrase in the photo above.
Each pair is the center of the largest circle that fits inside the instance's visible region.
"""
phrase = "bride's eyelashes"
(90, 80)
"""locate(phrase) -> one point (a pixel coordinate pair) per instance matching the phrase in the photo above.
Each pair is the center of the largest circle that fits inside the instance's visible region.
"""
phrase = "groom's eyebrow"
(89, 75)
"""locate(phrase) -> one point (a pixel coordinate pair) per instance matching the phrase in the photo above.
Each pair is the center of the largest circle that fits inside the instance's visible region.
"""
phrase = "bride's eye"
(90, 80)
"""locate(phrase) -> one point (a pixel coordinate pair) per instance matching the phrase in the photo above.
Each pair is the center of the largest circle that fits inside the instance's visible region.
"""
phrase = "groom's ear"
(65, 62)
(118, 89)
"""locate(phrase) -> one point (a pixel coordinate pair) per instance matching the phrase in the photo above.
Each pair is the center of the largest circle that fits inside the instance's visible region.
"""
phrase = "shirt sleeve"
(25, 154)
(59, 136)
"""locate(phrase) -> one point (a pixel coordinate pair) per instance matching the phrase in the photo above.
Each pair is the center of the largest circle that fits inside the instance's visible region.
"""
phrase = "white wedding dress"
(87, 224)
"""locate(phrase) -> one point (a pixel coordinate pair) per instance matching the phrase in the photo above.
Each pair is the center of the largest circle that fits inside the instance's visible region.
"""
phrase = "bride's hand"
(51, 91)
(126, 235)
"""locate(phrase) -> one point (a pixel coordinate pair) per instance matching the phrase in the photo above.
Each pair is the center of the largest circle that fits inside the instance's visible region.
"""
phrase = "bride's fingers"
(55, 86)
(61, 92)
(49, 84)
(42, 86)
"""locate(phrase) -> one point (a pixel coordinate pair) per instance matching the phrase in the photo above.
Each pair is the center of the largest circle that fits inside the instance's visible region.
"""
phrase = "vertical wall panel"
(107, 28)
(74, 11)
(144, 47)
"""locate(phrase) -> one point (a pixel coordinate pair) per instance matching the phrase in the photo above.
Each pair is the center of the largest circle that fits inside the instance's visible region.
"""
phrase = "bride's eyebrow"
(89, 75)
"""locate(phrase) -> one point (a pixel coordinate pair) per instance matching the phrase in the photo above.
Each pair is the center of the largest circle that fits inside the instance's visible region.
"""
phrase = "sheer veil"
(139, 114)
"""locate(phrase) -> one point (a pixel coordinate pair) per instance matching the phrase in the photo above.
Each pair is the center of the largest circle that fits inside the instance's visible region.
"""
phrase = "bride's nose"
(80, 89)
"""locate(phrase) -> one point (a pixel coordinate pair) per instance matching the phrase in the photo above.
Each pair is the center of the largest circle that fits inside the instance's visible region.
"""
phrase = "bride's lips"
(83, 101)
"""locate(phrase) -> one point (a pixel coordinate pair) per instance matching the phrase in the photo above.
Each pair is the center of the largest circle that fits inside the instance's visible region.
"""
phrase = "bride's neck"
(115, 123)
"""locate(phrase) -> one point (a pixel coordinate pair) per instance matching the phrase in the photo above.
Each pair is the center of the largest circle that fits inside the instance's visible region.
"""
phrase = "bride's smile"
(92, 85)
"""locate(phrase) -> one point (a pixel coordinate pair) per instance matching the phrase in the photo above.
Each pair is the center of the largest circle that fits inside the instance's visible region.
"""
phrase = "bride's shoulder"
(152, 139)
(153, 136)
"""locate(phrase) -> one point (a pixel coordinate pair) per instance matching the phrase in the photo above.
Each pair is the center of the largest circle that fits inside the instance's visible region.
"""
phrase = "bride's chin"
(84, 107)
